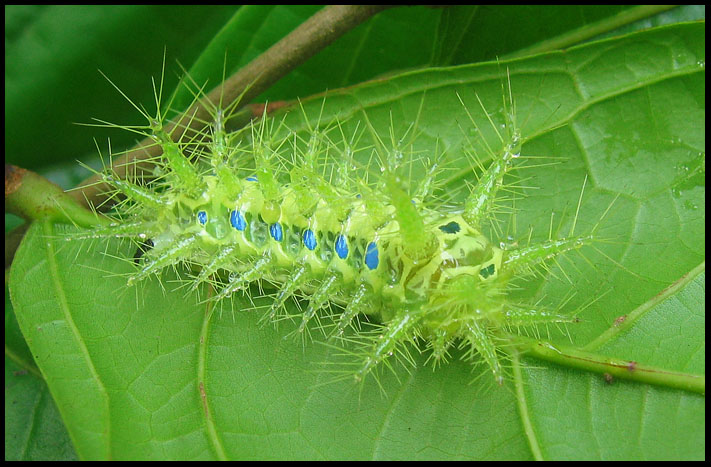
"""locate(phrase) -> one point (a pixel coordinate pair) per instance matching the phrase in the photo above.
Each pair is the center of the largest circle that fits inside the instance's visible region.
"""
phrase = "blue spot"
(252, 179)
(450, 228)
(358, 196)
(342, 247)
(371, 256)
(276, 232)
(309, 239)
(202, 217)
(487, 271)
(237, 220)
(413, 201)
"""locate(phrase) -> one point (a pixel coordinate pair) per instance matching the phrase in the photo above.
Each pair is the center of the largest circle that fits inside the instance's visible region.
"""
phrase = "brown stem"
(33, 197)
(310, 37)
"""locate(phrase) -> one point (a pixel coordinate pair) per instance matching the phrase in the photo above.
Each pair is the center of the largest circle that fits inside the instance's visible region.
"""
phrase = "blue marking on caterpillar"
(309, 239)
(276, 231)
(202, 217)
(342, 247)
(371, 256)
(237, 220)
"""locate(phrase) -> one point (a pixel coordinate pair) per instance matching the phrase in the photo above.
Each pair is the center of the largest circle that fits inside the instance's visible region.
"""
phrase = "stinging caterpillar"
(359, 226)
(164, 368)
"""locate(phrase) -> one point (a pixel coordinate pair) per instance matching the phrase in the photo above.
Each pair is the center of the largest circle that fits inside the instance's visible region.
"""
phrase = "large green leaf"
(52, 57)
(33, 426)
(53, 54)
(145, 374)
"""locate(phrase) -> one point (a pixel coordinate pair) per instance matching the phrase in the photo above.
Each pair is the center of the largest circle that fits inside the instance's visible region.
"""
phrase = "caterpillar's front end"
(458, 294)
(453, 292)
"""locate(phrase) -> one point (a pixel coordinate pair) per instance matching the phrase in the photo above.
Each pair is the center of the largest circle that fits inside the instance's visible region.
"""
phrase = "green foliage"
(143, 373)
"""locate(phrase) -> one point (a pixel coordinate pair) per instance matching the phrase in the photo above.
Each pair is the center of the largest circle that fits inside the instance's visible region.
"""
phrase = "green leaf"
(52, 57)
(567, 407)
(144, 373)
(34, 429)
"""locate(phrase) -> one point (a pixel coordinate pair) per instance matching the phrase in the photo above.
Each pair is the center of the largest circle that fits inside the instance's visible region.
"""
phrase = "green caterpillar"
(321, 219)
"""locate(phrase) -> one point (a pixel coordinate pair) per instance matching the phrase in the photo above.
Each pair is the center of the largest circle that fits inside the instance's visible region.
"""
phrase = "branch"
(33, 197)
(611, 367)
(315, 34)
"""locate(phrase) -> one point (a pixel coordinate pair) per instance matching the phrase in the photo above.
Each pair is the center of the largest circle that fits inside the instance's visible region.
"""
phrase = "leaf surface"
(141, 373)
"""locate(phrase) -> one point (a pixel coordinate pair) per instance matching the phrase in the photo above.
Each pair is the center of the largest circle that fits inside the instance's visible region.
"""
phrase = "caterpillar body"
(324, 218)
